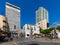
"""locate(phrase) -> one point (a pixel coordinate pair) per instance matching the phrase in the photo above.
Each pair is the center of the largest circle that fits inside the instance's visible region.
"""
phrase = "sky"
(28, 9)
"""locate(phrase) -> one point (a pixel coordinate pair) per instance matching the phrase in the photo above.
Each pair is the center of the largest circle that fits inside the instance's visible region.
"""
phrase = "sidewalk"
(9, 43)
(48, 40)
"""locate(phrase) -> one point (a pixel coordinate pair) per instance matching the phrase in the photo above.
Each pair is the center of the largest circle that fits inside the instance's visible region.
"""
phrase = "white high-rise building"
(42, 17)
(13, 17)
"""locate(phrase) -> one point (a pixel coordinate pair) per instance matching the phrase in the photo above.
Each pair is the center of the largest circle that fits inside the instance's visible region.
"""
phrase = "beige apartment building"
(43, 24)
(3, 23)
(42, 18)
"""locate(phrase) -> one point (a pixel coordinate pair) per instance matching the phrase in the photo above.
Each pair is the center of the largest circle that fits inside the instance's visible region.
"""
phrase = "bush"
(46, 31)
(58, 28)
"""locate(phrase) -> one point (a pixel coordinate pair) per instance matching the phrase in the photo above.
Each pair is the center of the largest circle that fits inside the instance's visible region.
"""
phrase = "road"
(32, 41)
(5, 42)
(37, 42)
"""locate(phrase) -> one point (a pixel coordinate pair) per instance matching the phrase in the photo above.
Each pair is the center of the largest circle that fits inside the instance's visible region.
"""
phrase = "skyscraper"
(42, 17)
(13, 17)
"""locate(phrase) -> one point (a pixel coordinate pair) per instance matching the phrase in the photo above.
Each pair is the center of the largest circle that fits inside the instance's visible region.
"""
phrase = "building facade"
(42, 17)
(3, 24)
(30, 30)
(13, 17)
(42, 24)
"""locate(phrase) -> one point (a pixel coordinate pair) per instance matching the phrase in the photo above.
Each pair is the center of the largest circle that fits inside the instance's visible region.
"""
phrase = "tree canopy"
(46, 31)
(58, 27)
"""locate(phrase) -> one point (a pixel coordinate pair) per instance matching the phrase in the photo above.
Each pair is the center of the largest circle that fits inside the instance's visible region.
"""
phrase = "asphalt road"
(31, 41)
(6, 42)
(35, 42)
(38, 43)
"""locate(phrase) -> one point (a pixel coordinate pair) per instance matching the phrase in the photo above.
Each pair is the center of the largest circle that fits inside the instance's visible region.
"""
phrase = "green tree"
(58, 27)
(47, 31)
(40, 29)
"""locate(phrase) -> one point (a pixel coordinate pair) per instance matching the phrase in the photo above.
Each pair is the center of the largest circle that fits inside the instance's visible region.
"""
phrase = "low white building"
(57, 31)
(30, 30)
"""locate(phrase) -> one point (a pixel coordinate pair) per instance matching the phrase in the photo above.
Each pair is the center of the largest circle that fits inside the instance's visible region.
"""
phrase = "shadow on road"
(34, 44)
(2, 41)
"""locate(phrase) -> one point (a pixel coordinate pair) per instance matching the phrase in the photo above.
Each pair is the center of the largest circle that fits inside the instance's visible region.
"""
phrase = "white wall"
(28, 31)
(13, 17)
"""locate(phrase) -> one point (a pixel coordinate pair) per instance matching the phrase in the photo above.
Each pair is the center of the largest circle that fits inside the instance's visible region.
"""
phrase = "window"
(31, 28)
(14, 26)
(27, 34)
(38, 23)
(4, 27)
(4, 21)
(37, 19)
(27, 27)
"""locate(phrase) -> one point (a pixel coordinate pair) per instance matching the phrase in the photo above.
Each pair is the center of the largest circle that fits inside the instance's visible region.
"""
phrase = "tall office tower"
(42, 17)
(13, 17)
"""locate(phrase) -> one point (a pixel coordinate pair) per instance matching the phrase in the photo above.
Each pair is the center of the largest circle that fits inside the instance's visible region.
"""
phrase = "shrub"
(46, 31)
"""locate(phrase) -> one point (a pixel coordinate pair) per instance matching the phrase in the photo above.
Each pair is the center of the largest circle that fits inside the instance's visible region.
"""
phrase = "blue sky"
(28, 8)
